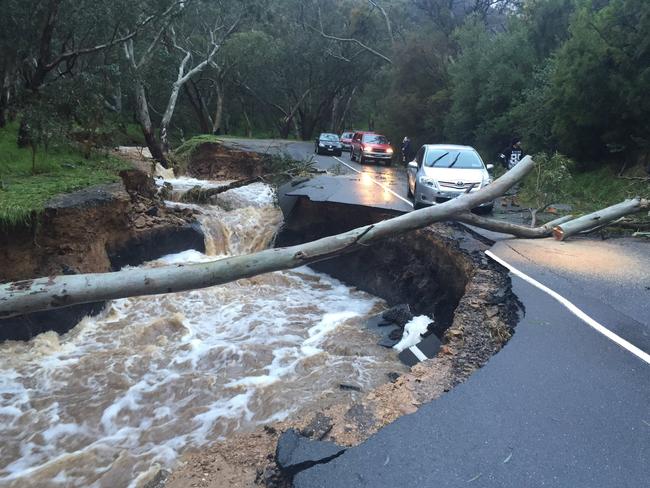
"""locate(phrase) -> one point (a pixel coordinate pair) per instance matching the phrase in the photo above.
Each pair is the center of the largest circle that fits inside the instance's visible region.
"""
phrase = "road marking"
(417, 353)
(375, 182)
(575, 310)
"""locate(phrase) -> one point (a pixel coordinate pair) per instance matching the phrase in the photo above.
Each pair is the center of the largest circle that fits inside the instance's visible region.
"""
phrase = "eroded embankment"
(438, 271)
(98, 229)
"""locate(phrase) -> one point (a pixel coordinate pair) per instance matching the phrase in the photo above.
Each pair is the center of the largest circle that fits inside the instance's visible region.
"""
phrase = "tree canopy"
(564, 75)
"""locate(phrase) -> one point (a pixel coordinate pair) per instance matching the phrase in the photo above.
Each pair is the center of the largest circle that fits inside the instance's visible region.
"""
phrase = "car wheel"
(416, 205)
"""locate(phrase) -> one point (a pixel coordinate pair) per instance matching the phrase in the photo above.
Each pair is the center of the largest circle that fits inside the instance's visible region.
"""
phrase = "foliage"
(564, 75)
(549, 182)
(600, 86)
(62, 169)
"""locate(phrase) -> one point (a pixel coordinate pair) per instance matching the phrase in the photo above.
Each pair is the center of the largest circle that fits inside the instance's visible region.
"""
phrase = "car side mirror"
(413, 164)
(489, 167)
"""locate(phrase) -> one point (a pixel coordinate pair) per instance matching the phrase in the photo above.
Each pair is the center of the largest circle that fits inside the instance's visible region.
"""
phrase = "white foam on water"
(153, 376)
(184, 183)
(413, 331)
(253, 195)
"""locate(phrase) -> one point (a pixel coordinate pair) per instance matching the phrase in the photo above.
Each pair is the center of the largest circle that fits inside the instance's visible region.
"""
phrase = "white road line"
(375, 182)
(418, 353)
(575, 310)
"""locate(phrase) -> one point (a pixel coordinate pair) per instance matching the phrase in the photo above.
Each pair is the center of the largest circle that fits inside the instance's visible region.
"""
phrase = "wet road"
(368, 184)
(566, 403)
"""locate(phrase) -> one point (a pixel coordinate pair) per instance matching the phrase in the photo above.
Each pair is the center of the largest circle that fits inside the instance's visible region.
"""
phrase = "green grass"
(189, 146)
(600, 188)
(23, 194)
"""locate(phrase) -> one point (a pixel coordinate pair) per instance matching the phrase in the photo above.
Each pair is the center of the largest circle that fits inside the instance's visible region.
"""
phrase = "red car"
(370, 146)
(346, 140)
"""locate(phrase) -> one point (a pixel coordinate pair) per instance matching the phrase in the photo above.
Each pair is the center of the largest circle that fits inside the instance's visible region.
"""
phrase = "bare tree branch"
(321, 31)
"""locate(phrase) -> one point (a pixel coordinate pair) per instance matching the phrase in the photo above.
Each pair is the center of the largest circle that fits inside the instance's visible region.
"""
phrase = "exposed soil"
(76, 231)
(94, 230)
(437, 270)
(213, 161)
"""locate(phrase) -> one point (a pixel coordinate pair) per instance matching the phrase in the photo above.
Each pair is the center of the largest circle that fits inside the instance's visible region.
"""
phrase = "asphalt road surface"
(566, 403)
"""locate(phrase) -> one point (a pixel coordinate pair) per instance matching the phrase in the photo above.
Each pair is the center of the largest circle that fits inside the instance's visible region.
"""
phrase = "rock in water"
(295, 453)
(400, 315)
(413, 332)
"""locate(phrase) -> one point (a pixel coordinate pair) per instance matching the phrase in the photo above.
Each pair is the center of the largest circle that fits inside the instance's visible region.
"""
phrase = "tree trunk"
(249, 127)
(5, 95)
(346, 109)
(218, 114)
(142, 114)
(513, 229)
(198, 104)
(596, 219)
(335, 114)
(285, 127)
(167, 116)
(62, 291)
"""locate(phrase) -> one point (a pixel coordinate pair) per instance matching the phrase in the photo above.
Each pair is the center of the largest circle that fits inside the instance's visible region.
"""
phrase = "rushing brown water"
(126, 392)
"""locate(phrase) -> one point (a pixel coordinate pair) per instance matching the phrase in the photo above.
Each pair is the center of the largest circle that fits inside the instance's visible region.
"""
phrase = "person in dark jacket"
(511, 155)
(407, 152)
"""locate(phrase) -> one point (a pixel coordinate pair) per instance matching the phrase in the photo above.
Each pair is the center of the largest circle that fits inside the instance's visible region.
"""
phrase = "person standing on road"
(511, 155)
(407, 152)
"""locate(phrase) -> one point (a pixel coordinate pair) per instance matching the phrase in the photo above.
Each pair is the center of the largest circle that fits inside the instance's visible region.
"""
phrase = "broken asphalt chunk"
(295, 453)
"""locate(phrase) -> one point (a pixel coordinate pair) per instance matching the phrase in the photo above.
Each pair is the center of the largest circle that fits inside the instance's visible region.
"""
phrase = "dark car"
(328, 144)
(346, 140)
(370, 146)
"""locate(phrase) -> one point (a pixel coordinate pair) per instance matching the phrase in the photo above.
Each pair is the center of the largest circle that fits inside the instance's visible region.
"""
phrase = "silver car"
(441, 172)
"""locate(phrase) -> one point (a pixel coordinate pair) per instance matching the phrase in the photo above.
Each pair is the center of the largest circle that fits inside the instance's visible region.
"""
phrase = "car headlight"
(430, 182)
(367, 149)
(389, 151)
(321, 144)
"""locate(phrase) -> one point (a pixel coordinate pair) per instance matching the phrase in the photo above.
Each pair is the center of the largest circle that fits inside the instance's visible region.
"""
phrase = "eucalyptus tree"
(197, 38)
(44, 42)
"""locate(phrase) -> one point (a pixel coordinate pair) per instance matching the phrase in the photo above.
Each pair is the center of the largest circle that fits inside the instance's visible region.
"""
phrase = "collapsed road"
(565, 403)
(541, 412)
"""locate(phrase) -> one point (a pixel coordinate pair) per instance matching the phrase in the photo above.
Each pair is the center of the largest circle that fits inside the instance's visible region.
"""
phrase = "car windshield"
(329, 137)
(374, 139)
(346, 135)
(448, 158)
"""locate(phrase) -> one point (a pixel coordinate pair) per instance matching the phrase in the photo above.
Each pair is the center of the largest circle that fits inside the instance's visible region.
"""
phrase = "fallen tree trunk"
(198, 194)
(596, 219)
(61, 291)
(513, 229)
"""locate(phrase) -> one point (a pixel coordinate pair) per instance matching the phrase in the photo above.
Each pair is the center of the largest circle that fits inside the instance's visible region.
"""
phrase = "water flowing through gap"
(128, 391)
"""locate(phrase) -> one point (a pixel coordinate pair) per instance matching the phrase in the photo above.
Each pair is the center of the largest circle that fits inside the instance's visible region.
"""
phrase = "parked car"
(346, 140)
(328, 144)
(441, 172)
(369, 146)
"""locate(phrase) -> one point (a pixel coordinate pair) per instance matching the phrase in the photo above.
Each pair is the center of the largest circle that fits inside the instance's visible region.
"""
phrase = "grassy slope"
(62, 170)
(602, 187)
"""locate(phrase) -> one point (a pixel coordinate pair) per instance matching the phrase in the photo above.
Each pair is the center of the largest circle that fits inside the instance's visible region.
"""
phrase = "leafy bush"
(549, 183)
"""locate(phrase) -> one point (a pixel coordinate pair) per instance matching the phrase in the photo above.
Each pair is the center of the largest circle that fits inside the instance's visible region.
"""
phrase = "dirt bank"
(214, 161)
(94, 230)
(438, 270)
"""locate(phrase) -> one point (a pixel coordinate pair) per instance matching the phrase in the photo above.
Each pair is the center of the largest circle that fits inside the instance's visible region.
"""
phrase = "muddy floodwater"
(126, 392)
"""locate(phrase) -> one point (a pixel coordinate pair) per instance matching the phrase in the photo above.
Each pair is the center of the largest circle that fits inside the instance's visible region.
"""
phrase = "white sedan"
(441, 172)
